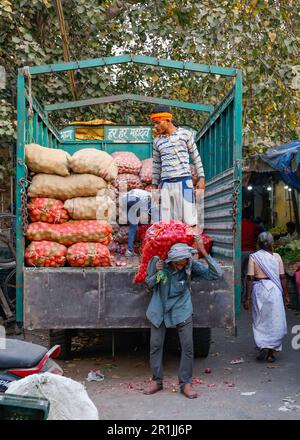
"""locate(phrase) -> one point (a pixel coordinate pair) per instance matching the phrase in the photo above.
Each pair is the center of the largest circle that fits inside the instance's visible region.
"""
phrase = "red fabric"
(250, 232)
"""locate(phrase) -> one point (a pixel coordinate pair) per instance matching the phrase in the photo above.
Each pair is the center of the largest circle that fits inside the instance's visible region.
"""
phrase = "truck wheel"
(201, 338)
(62, 338)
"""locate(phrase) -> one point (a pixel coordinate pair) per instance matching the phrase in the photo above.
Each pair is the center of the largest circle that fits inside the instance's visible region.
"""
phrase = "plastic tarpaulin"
(90, 131)
(280, 159)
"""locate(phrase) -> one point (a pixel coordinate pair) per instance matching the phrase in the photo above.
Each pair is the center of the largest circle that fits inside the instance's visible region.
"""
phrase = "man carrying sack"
(171, 306)
(171, 170)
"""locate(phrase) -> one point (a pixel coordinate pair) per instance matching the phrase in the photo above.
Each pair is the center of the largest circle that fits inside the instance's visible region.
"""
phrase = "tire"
(201, 340)
(7, 262)
(62, 338)
(9, 289)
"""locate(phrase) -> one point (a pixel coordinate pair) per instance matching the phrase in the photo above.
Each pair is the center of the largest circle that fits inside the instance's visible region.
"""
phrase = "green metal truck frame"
(54, 298)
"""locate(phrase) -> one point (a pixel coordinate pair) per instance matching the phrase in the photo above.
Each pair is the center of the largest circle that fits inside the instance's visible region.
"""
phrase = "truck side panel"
(220, 146)
(106, 298)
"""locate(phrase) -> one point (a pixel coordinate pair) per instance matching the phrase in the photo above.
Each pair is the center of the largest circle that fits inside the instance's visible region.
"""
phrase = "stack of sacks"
(101, 205)
(146, 171)
(129, 167)
(149, 188)
(47, 210)
(118, 245)
(86, 195)
(146, 174)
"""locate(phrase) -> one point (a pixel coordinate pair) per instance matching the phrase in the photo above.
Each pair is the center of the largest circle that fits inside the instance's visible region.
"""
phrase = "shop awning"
(256, 164)
(286, 160)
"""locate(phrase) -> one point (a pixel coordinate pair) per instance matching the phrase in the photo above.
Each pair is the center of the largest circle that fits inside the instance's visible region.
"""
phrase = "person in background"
(172, 149)
(260, 223)
(291, 235)
(171, 305)
(135, 202)
(250, 232)
(267, 291)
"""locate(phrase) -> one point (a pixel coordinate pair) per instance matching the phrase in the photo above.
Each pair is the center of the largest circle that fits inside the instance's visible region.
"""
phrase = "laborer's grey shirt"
(171, 156)
(171, 300)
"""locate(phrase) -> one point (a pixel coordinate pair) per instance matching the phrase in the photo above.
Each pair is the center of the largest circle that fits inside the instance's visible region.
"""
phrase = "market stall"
(271, 185)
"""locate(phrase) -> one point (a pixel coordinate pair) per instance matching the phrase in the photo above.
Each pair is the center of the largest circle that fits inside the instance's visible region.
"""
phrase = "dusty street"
(247, 390)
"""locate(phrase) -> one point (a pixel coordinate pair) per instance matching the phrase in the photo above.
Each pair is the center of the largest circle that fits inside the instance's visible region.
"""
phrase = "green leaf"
(28, 37)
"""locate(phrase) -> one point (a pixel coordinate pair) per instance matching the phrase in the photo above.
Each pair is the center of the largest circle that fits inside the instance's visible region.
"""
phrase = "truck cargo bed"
(71, 298)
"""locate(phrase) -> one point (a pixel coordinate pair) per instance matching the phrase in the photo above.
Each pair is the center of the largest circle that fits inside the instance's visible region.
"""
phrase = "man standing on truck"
(171, 306)
(137, 203)
(171, 170)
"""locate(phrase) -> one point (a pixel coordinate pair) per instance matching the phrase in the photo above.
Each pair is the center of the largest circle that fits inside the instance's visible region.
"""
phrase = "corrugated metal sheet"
(218, 214)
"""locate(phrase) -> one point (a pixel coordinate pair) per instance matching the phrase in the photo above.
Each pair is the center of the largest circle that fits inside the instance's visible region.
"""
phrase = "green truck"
(64, 300)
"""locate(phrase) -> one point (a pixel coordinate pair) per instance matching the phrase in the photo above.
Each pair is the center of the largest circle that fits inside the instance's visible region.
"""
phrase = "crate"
(14, 407)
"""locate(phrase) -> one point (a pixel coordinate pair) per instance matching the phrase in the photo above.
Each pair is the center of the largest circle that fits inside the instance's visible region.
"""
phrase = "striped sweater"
(171, 156)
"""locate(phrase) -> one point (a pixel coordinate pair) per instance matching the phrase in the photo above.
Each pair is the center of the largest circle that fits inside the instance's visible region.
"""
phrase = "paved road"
(120, 395)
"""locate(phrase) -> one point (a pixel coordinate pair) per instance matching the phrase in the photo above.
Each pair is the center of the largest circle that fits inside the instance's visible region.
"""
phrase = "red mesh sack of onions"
(42, 209)
(121, 236)
(158, 241)
(150, 188)
(126, 182)
(117, 248)
(45, 254)
(74, 231)
(146, 171)
(88, 255)
(141, 233)
(127, 162)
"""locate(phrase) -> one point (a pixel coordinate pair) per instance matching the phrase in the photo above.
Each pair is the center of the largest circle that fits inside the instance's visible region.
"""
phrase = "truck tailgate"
(70, 298)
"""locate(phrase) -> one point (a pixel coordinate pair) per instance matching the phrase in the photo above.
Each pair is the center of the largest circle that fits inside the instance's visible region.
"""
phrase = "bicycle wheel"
(9, 289)
(7, 252)
(8, 227)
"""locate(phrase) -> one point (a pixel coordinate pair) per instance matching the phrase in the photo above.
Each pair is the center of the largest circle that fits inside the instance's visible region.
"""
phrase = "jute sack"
(63, 188)
(47, 160)
(90, 208)
(96, 162)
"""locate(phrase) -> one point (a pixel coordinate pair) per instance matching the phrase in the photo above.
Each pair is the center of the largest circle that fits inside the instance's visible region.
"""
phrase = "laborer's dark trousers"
(185, 333)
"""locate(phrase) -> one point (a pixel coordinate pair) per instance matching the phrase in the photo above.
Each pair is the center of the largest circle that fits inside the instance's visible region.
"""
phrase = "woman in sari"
(266, 287)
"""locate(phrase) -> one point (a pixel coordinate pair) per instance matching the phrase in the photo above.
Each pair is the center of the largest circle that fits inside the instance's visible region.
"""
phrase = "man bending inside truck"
(171, 306)
(171, 169)
(136, 203)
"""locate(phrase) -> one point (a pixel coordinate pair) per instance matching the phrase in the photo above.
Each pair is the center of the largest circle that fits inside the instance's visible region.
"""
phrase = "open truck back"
(66, 298)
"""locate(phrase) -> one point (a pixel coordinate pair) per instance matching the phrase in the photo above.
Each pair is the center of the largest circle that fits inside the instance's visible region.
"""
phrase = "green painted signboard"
(126, 134)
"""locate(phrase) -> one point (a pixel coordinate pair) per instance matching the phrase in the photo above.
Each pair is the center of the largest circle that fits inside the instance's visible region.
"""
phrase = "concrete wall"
(283, 207)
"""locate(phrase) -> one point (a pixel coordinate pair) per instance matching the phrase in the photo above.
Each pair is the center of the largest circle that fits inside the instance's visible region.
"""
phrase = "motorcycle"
(19, 359)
